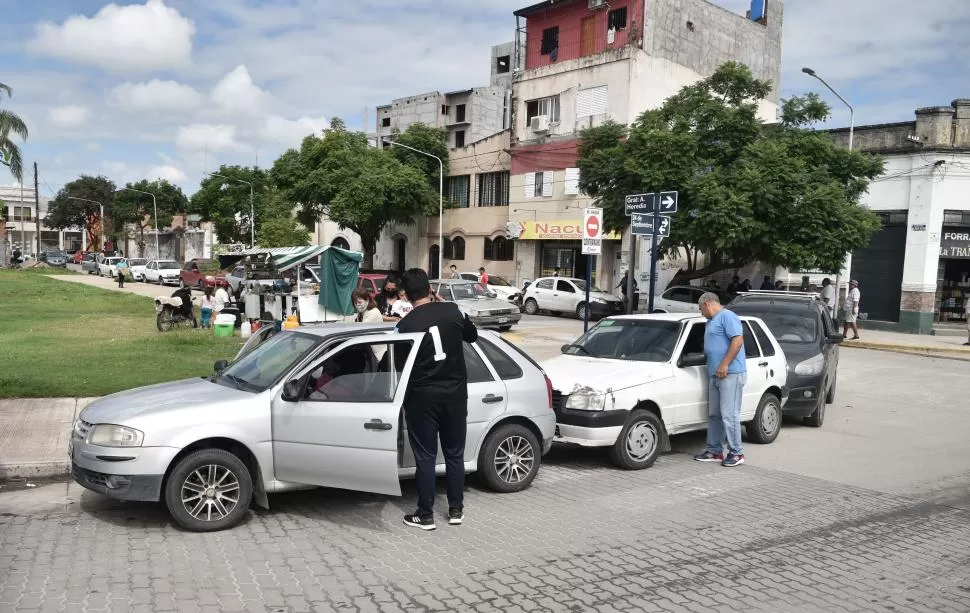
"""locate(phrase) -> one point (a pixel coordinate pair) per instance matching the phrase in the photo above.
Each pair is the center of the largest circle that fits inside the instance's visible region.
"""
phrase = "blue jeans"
(724, 412)
(206, 317)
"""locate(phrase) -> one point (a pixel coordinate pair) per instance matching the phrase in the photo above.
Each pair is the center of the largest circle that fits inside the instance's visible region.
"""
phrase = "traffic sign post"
(592, 246)
(645, 211)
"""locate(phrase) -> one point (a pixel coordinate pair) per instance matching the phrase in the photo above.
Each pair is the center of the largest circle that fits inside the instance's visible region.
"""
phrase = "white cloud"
(196, 137)
(155, 96)
(133, 38)
(290, 133)
(70, 116)
(238, 95)
(166, 172)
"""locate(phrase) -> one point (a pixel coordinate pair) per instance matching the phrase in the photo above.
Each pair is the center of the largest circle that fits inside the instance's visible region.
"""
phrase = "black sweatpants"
(427, 421)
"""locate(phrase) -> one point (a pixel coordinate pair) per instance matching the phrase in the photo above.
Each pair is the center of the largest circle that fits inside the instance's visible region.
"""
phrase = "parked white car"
(683, 299)
(496, 284)
(632, 381)
(564, 295)
(137, 267)
(162, 272)
(108, 267)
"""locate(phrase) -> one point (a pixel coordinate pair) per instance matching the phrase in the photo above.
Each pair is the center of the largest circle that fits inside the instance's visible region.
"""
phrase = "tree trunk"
(369, 244)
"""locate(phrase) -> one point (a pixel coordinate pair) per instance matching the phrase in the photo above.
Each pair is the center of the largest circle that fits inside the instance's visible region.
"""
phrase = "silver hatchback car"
(316, 406)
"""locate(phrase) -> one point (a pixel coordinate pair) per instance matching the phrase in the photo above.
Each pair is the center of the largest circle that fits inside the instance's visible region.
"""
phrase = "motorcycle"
(171, 314)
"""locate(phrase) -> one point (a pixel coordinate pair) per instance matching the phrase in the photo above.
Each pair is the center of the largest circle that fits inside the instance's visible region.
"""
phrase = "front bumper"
(803, 394)
(487, 321)
(138, 488)
(587, 428)
(600, 309)
(132, 473)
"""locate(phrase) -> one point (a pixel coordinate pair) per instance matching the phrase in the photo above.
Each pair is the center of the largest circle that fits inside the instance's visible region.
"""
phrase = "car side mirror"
(291, 390)
(692, 359)
(220, 366)
(836, 338)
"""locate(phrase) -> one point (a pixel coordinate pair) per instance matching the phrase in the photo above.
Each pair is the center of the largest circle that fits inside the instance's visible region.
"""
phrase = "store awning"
(284, 258)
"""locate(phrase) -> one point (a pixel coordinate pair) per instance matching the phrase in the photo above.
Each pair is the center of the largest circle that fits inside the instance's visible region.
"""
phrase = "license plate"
(503, 320)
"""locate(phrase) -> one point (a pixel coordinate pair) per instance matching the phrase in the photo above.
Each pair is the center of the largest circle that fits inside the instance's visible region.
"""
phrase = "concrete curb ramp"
(34, 435)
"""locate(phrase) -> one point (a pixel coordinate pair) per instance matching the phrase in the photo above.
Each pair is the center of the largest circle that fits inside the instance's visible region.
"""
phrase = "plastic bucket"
(223, 329)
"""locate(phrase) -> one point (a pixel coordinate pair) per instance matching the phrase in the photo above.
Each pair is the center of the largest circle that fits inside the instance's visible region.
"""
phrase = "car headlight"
(599, 300)
(586, 402)
(109, 435)
(811, 366)
(475, 313)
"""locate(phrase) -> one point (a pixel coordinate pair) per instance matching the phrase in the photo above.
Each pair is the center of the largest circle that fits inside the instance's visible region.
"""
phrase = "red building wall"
(569, 17)
(547, 156)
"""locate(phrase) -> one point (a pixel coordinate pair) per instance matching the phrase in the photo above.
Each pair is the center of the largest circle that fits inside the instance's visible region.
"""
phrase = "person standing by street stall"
(436, 404)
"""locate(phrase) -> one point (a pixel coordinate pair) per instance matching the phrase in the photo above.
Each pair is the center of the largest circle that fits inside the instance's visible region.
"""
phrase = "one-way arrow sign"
(643, 225)
(668, 202)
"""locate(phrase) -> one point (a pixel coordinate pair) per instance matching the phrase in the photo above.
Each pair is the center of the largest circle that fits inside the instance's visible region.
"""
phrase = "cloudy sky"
(170, 88)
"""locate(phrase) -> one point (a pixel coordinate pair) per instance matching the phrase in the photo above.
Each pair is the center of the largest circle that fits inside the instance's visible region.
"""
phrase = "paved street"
(870, 513)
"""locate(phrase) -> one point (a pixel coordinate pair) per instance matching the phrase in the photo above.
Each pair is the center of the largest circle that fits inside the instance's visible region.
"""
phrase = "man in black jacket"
(436, 404)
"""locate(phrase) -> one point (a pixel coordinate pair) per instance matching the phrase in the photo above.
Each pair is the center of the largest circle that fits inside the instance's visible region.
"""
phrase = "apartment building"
(22, 225)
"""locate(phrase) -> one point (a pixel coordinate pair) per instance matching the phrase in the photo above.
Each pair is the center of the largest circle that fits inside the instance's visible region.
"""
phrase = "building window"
(591, 101)
(385, 122)
(503, 64)
(457, 249)
(550, 41)
(543, 106)
(22, 213)
(493, 189)
(617, 19)
(457, 189)
(499, 249)
(460, 113)
(445, 110)
(449, 249)
(459, 138)
(538, 184)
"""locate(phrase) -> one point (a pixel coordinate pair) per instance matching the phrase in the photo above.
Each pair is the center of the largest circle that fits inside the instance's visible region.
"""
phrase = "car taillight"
(548, 389)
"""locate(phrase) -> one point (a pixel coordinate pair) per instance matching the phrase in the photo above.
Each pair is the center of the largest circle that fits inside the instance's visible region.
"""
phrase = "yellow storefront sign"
(558, 230)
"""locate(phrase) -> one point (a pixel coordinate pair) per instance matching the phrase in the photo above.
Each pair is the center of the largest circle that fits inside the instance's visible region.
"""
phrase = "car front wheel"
(209, 490)
(766, 425)
(817, 417)
(581, 310)
(531, 306)
(510, 458)
(639, 443)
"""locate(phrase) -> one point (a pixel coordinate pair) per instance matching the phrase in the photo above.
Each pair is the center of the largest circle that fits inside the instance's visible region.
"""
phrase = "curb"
(908, 348)
(35, 470)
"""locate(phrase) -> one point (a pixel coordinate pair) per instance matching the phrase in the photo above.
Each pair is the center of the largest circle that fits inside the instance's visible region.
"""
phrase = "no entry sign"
(592, 231)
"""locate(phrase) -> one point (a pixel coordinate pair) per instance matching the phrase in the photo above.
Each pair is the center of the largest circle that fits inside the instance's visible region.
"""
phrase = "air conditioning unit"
(595, 4)
(540, 123)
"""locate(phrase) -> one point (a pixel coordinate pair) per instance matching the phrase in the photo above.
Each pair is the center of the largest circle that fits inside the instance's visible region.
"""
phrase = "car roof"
(668, 317)
(453, 281)
(781, 298)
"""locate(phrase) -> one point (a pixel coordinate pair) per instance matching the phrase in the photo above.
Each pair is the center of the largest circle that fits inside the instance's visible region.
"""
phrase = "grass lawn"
(60, 339)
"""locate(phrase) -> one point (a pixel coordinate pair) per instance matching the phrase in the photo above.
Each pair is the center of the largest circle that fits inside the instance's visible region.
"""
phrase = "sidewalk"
(34, 435)
(934, 346)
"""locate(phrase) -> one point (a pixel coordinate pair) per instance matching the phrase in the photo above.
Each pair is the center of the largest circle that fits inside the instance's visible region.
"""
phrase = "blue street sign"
(640, 203)
(643, 225)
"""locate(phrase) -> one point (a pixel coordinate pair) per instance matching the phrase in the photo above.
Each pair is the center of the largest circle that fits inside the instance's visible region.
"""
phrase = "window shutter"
(572, 181)
(547, 183)
(591, 101)
(530, 185)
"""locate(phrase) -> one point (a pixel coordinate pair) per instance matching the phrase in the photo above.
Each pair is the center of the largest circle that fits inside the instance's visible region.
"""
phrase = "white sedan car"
(162, 272)
(632, 381)
(107, 267)
(137, 268)
(564, 295)
(683, 299)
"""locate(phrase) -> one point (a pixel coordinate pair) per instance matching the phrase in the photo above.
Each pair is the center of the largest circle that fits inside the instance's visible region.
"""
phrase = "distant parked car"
(372, 282)
(563, 295)
(497, 285)
(89, 263)
(107, 267)
(78, 257)
(54, 258)
(484, 310)
(137, 267)
(200, 273)
(162, 272)
(683, 299)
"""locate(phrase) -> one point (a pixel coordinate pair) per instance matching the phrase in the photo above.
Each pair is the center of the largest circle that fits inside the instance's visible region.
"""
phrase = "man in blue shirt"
(724, 348)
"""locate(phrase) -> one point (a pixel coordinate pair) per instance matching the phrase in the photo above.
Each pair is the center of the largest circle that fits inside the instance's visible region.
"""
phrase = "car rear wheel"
(209, 490)
(531, 306)
(639, 443)
(510, 458)
(766, 425)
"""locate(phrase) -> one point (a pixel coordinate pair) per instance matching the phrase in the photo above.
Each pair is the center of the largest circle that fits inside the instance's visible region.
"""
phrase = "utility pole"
(37, 208)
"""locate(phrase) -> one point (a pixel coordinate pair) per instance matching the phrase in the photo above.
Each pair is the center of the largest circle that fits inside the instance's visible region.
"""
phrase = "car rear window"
(504, 365)
(789, 325)
(766, 346)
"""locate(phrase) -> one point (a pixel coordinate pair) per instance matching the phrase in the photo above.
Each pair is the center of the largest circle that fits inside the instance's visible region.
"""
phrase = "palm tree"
(9, 150)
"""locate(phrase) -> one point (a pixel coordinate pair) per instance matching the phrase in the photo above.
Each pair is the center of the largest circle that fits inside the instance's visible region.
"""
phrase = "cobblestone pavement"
(681, 536)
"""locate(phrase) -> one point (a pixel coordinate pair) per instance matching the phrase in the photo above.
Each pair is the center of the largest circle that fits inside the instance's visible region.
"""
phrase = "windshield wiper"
(236, 381)
(580, 347)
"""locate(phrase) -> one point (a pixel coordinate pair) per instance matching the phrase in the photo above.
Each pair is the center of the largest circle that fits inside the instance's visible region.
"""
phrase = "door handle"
(492, 399)
(762, 363)
(376, 424)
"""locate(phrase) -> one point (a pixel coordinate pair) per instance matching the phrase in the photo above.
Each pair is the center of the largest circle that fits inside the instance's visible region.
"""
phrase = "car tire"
(531, 306)
(766, 425)
(639, 443)
(581, 310)
(194, 510)
(817, 417)
(510, 458)
(830, 395)
(504, 328)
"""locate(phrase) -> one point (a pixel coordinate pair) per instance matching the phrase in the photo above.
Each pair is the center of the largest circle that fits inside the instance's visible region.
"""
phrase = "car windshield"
(795, 327)
(137, 262)
(581, 284)
(56, 254)
(168, 265)
(638, 340)
(468, 291)
(267, 363)
(499, 281)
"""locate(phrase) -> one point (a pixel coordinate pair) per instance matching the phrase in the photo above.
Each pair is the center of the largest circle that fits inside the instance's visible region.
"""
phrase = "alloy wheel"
(514, 459)
(210, 492)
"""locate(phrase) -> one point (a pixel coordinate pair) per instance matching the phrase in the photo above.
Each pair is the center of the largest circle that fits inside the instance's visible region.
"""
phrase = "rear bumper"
(496, 320)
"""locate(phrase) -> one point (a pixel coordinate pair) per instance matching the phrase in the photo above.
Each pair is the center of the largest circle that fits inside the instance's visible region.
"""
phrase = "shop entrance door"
(879, 270)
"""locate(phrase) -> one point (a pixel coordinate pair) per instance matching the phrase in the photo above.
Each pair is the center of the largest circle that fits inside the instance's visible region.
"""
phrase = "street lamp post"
(848, 258)
(252, 209)
(441, 201)
(101, 219)
(155, 207)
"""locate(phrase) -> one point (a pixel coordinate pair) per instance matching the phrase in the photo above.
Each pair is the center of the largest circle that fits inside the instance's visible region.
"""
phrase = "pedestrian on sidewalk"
(624, 288)
(436, 402)
(851, 310)
(207, 305)
(828, 296)
(122, 269)
(727, 370)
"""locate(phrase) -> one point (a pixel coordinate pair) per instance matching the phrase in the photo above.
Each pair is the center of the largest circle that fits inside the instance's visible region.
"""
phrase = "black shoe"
(416, 521)
(455, 516)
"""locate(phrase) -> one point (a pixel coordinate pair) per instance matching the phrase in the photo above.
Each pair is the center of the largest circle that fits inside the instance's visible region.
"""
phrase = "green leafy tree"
(11, 124)
(66, 213)
(781, 193)
(139, 209)
(223, 199)
(423, 138)
(339, 175)
(282, 232)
